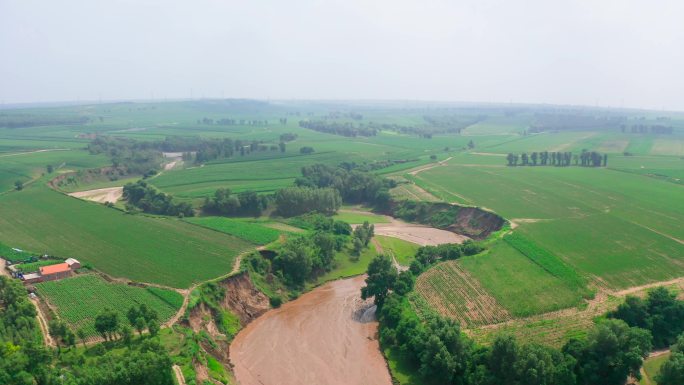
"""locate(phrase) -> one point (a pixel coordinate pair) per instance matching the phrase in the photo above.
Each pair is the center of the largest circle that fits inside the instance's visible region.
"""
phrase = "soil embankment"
(323, 337)
(473, 222)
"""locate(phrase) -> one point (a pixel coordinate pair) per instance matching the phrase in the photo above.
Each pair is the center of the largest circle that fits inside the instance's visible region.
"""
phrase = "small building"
(31, 278)
(73, 263)
(55, 272)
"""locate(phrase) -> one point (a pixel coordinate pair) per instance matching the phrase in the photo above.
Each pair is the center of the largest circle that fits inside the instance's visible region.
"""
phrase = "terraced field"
(80, 299)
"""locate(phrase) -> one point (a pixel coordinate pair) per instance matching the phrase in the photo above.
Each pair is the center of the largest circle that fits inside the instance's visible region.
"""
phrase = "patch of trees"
(306, 150)
(353, 186)
(339, 128)
(660, 313)
(559, 159)
(647, 129)
(288, 137)
(372, 166)
(146, 198)
(672, 371)
(133, 156)
(27, 120)
(232, 122)
(304, 257)
(224, 202)
(293, 201)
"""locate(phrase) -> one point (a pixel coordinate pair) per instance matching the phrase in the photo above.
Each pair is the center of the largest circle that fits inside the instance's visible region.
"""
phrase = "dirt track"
(101, 195)
(315, 339)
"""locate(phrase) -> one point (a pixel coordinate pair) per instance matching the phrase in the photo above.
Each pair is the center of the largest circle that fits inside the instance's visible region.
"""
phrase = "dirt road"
(318, 338)
(2, 268)
(101, 195)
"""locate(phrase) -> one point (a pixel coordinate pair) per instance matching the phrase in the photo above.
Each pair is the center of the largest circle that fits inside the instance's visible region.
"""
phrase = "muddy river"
(325, 337)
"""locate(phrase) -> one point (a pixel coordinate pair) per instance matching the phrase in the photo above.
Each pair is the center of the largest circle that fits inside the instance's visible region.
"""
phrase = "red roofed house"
(55, 272)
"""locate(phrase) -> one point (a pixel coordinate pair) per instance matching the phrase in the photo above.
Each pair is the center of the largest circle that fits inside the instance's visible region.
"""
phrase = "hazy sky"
(617, 53)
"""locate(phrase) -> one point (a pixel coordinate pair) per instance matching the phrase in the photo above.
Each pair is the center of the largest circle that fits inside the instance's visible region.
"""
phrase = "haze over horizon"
(611, 53)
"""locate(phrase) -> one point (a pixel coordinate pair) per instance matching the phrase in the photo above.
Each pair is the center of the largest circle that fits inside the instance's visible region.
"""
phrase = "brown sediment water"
(324, 337)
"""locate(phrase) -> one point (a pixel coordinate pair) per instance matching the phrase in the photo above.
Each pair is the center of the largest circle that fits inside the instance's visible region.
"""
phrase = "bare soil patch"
(101, 195)
(316, 339)
(418, 234)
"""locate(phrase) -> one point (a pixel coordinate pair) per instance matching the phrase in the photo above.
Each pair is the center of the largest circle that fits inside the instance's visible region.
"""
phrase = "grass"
(403, 251)
(346, 266)
(166, 251)
(652, 368)
(355, 217)
(251, 232)
(78, 300)
(10, 254)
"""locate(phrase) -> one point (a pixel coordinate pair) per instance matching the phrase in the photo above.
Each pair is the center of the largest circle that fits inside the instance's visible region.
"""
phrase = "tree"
(153, 327)
(612, 352)
(82, 336)
(107, 323)
(306, 150)
(471, 144)
(49, 168)
(281, 146)
(140, 325)
(672, 371)
(19, 185)
(126, 334)
(381, 279)
(502, 359)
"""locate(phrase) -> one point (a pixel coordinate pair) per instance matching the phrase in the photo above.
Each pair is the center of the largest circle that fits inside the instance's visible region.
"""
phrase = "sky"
(619, 53)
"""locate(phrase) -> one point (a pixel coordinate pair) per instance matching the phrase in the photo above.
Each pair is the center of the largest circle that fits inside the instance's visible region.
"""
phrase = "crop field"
(251, 232)
(593, 219)
(451, 291)
(80, 299)
(35, 266)
(25, 166)
(142, 248)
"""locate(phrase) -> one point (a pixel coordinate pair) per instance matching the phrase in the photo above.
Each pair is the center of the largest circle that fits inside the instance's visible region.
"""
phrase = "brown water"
(318, 339)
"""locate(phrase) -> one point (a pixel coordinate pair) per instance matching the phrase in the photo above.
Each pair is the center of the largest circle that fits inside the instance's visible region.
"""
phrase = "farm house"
(55, 272)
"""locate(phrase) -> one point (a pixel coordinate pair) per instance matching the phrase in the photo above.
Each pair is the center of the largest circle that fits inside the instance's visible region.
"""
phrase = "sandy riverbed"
(315, 339)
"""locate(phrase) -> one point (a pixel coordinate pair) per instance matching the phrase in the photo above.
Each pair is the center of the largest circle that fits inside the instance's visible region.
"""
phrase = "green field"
(402, 250)
(142, 248)
(78, 300)
(358, 217)
(593, 219)
(251, 232)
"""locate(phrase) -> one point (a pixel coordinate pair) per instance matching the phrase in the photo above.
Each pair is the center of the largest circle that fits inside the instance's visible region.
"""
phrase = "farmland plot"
(80, 299)
(453, 292)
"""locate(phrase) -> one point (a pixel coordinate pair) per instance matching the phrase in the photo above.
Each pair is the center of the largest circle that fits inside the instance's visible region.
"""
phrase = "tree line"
(338, 128)
(647, 129)
(233, 122)
(225, 203)
(559, 159)
(140, 195)
(27, 120)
